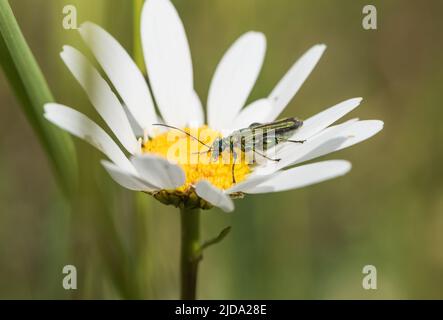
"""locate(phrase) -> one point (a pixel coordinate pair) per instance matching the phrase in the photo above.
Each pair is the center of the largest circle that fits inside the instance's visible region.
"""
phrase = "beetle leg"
(296, 141)
(234, 156)
(266, 157)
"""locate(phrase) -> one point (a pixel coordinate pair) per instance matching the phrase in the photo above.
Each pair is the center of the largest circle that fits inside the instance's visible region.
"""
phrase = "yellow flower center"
(194, 158)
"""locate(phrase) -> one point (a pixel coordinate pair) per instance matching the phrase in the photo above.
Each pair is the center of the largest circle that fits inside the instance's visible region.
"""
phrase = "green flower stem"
(190, 252)
(30, 87)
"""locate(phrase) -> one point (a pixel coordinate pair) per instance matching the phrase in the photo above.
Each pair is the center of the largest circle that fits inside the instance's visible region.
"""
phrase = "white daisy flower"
(130, 115)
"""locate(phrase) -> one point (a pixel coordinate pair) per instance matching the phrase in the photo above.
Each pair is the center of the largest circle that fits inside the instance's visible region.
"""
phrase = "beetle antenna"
(182, 131)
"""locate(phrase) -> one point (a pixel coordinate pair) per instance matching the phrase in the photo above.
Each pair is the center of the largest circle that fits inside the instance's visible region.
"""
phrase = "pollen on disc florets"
(192, 157)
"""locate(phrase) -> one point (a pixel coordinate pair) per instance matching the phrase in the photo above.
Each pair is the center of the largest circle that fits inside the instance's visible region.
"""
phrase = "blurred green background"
(308, 243)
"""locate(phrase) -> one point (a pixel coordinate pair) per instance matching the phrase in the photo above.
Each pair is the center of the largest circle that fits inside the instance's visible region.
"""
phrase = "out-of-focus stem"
(31, 88)
(137, 47)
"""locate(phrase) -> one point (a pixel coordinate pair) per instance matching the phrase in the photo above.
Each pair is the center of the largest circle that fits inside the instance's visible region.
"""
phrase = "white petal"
(101, 96)
(291, 153)
(294, 79)
(352, 134)
(234, 78)
(303, 176)
(257, 112)
(126, 179)
(195, 117)
(84, 128)
(214, 196)
(332, 139)
(361, 131)
(250, 182)
(168, 60)
(138, 131)
(325, 118)
(159, 171)
(319, 150)
(122, 72)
